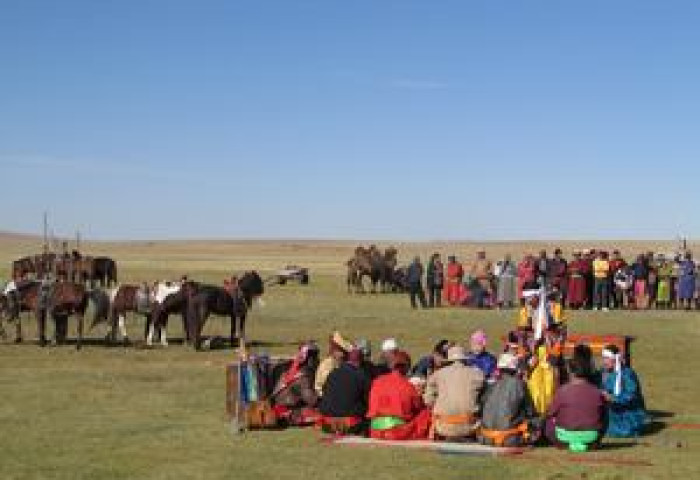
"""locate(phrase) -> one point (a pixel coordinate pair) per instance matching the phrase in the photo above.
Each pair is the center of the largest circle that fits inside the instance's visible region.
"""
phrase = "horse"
(113, 305)
(23, 267)
(217, 300)
(84, 270)
(59, 300)
(105, 271)
(13, 303)
(168, 298)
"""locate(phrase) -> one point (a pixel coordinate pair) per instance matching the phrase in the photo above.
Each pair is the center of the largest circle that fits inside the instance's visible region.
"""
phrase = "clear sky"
(371, 119)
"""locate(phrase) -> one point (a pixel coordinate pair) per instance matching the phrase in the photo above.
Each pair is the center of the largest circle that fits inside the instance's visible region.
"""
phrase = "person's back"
(507, 404)
(393, 395)
(578, 405)
(345, 392)
(453, 392)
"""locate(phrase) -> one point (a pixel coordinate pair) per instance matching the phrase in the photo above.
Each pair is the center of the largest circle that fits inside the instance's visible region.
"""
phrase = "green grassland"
(113, 412)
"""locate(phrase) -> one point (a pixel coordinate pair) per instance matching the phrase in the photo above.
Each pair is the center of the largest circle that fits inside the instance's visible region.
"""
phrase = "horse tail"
(102, 306)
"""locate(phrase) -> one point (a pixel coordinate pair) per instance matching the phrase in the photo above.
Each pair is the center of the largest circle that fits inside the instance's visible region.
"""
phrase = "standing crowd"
(591, 279)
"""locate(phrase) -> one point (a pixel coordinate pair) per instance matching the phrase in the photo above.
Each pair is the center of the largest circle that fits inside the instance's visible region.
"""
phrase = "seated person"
(366, 365)
(430, 363)
(508, 416)
(626, 411)
(294, 399)
(344, 402)
(389, 347)
(453, 393)
(576, 416)
(396, 410)
(479, 357)
(337, 351)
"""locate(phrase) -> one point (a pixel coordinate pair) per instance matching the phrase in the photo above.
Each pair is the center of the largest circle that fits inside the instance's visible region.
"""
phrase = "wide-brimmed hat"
(338, 340)
(456, 353)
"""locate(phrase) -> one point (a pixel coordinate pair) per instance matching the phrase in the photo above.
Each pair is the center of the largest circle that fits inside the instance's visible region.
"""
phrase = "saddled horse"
(213, 299)
(13, 301)
(168, 298)
(58, 300)
(113, 305)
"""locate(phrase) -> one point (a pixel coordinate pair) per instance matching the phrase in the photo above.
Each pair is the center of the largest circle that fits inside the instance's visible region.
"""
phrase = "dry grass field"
(133, 413)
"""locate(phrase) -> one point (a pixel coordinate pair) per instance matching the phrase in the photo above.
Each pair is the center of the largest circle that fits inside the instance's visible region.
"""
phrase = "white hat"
(389, 345)
(508, 360)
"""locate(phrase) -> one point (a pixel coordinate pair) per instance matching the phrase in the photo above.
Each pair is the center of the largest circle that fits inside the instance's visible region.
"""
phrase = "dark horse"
(166, 304)
(217, 300)
(59, 300)
(105, 271)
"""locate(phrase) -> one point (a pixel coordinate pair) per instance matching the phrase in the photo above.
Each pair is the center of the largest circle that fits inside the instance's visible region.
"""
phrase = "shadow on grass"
(606, 446)
(654, 414)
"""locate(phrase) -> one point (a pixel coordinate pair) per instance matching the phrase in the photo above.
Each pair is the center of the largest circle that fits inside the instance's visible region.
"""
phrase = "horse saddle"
(143, 300)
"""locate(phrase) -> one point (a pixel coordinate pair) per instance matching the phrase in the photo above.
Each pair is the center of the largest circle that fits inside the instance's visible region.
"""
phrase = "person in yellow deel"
(542, 381)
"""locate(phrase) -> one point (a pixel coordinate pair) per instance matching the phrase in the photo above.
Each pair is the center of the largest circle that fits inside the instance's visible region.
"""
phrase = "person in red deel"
(455, 272)
(396, 409)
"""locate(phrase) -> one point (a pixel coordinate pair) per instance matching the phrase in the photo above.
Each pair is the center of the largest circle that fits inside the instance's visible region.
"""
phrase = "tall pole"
(46, 232)
(77, 240)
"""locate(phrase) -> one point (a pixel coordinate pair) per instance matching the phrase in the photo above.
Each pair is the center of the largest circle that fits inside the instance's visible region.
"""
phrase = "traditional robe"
(526, 276)
(686, 281)
(626, 413)
(506, 284)
(663, 285)
(455, 272)
(557, 271)
(396, 410)
(482, 271)
(577, 293)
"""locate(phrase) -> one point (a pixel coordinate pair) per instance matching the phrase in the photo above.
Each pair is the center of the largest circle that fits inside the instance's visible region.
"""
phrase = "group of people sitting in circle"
(527, 395)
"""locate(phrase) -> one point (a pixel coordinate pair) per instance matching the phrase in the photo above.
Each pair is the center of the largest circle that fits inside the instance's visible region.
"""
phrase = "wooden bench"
(598, 342)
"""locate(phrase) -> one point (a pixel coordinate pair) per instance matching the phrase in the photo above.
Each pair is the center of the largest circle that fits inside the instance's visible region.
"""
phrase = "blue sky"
(368, 119)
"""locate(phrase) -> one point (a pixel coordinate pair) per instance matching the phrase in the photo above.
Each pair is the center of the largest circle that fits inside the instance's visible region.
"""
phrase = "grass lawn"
(137, 413)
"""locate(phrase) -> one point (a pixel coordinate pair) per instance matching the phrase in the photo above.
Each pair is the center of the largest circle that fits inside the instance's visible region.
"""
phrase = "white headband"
(609, 354)
(618, 368)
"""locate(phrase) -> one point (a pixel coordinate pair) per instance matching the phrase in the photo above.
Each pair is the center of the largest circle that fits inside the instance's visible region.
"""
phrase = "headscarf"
(609, 353)
(479, 338)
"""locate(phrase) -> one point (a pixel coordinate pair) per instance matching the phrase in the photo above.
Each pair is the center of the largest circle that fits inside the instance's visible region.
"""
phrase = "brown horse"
(125, 299)
(22, 267)
(212, 299)
(58, 300)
